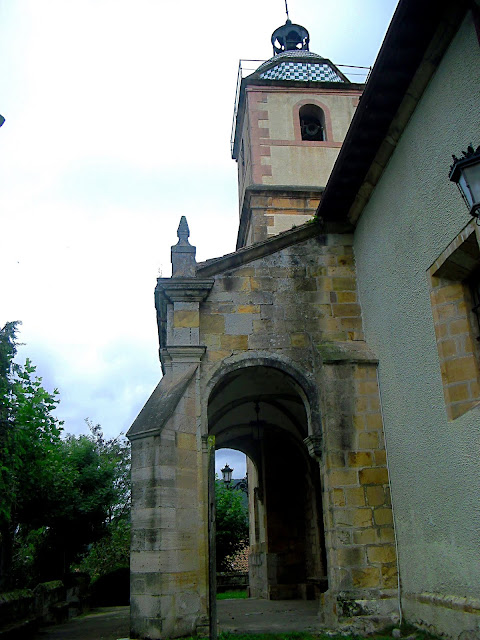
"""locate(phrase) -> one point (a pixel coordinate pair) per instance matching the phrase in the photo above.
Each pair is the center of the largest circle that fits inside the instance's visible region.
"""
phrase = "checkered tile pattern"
(301, 71)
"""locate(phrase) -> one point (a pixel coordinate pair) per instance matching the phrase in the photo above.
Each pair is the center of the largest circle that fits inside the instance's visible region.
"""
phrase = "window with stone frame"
(455, 295)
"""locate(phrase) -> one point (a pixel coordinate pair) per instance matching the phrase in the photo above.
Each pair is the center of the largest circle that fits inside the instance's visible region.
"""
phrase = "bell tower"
(291, 117)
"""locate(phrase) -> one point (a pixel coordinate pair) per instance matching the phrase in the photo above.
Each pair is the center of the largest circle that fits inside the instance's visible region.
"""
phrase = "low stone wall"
(231, 580)
(23, 610)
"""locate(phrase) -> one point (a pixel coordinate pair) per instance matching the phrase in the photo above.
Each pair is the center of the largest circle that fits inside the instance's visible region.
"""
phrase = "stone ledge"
(465, 604)
(355, 351)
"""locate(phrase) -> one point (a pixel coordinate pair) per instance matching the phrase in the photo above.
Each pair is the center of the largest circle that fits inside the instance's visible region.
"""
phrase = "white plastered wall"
(413, 214)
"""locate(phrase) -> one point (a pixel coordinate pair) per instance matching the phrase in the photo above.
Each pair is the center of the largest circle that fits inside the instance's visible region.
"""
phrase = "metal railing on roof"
(362, 74)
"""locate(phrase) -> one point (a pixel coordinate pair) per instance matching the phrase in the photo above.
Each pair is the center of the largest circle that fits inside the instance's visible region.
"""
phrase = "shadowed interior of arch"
(261, 411)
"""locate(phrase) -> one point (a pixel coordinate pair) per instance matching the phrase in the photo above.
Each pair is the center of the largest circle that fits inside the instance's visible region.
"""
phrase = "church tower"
(291, 117)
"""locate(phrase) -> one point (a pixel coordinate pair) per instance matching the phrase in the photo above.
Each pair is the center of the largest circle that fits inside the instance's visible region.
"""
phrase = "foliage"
(58, 496)
(109, 553)
(29, 447)
(231, 523)
(92, 492)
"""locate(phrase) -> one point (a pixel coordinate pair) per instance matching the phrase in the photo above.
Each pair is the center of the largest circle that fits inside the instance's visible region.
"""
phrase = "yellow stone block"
(234, 342)
(359, 423)
(245, 284)
(344, 284)
(184, 319)
(343, 477)
(346, 310)
(386, 534)
(366, 578)
(355, 497)
(460, 408)
(377, 475)
(299, 340)
(216, 356)
(335, 460)
(367, 440)
(351, 556)
(245, 271)
(374, 421)
(364, 536)
(360, 459)
(365, 388)
(254, 285)
(459, 392)
(390, 577)
(345, 297)
(449, 293)
(460, 369)
(380, 457)
(186, 441)
(375, 496)
(248, 308)
(383, 515)
(338, 498)
(214, 323)
(447, 348)
(361, 404)
(362, 517)
(384, 554)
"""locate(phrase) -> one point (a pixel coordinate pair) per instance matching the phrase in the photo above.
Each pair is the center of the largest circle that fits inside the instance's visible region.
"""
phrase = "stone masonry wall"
(301, 303)
(285, 302)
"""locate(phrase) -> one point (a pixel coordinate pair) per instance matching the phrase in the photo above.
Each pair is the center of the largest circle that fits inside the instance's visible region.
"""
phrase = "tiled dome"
(298, 65)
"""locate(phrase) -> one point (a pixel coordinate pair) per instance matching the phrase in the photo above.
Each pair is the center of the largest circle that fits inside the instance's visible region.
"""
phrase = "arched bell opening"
(263, 412)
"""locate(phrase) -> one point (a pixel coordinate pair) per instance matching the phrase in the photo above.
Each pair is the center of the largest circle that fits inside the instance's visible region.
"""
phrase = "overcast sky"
(118, 118)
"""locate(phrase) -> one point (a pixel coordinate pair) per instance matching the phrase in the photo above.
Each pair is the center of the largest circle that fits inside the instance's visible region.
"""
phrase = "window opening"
(312, 122)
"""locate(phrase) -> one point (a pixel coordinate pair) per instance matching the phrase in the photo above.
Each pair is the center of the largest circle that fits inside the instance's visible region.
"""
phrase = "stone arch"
(304, 382)
(265, 406)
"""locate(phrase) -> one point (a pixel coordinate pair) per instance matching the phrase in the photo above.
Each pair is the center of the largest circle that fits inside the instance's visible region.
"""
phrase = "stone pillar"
(169, 557)
(357, 509)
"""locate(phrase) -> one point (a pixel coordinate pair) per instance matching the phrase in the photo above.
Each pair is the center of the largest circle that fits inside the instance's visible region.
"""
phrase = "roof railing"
(362, 74)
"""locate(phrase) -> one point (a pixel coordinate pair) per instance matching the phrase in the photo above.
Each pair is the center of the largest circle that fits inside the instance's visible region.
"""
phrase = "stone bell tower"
(291, 117)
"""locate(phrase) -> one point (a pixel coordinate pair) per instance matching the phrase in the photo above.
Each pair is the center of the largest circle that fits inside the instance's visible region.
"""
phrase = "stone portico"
(263, 351)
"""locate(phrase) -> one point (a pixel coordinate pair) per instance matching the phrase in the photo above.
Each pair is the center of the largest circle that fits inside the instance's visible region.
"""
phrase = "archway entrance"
(263, 412)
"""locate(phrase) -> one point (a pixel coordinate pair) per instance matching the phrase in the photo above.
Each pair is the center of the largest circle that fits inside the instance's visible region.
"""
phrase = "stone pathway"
(248, 616)
(267, 616)
(108, 623)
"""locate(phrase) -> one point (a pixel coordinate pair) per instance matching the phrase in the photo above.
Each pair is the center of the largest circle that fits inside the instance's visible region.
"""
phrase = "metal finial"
(286, 9)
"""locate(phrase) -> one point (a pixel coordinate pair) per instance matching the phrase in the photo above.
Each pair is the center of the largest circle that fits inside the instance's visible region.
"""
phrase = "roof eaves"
(417, 37)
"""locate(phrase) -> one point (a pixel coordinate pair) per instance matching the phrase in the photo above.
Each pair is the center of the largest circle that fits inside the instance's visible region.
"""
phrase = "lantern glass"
(227, 474)
(469, 183)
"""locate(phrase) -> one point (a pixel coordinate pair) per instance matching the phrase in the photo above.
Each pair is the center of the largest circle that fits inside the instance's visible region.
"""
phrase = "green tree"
(231, 523)
(29, 447)
(90, 505)
(57, 496)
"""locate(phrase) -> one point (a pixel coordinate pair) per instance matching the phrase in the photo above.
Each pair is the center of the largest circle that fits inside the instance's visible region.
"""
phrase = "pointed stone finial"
(183, 232)
(184, 264)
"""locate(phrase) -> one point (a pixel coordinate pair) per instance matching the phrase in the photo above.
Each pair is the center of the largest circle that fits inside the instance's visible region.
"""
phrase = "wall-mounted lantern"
(465, 172)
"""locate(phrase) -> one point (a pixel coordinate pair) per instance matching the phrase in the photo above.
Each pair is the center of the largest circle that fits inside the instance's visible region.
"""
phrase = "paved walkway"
(236, 616)
(109, 623)
(267, 616)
